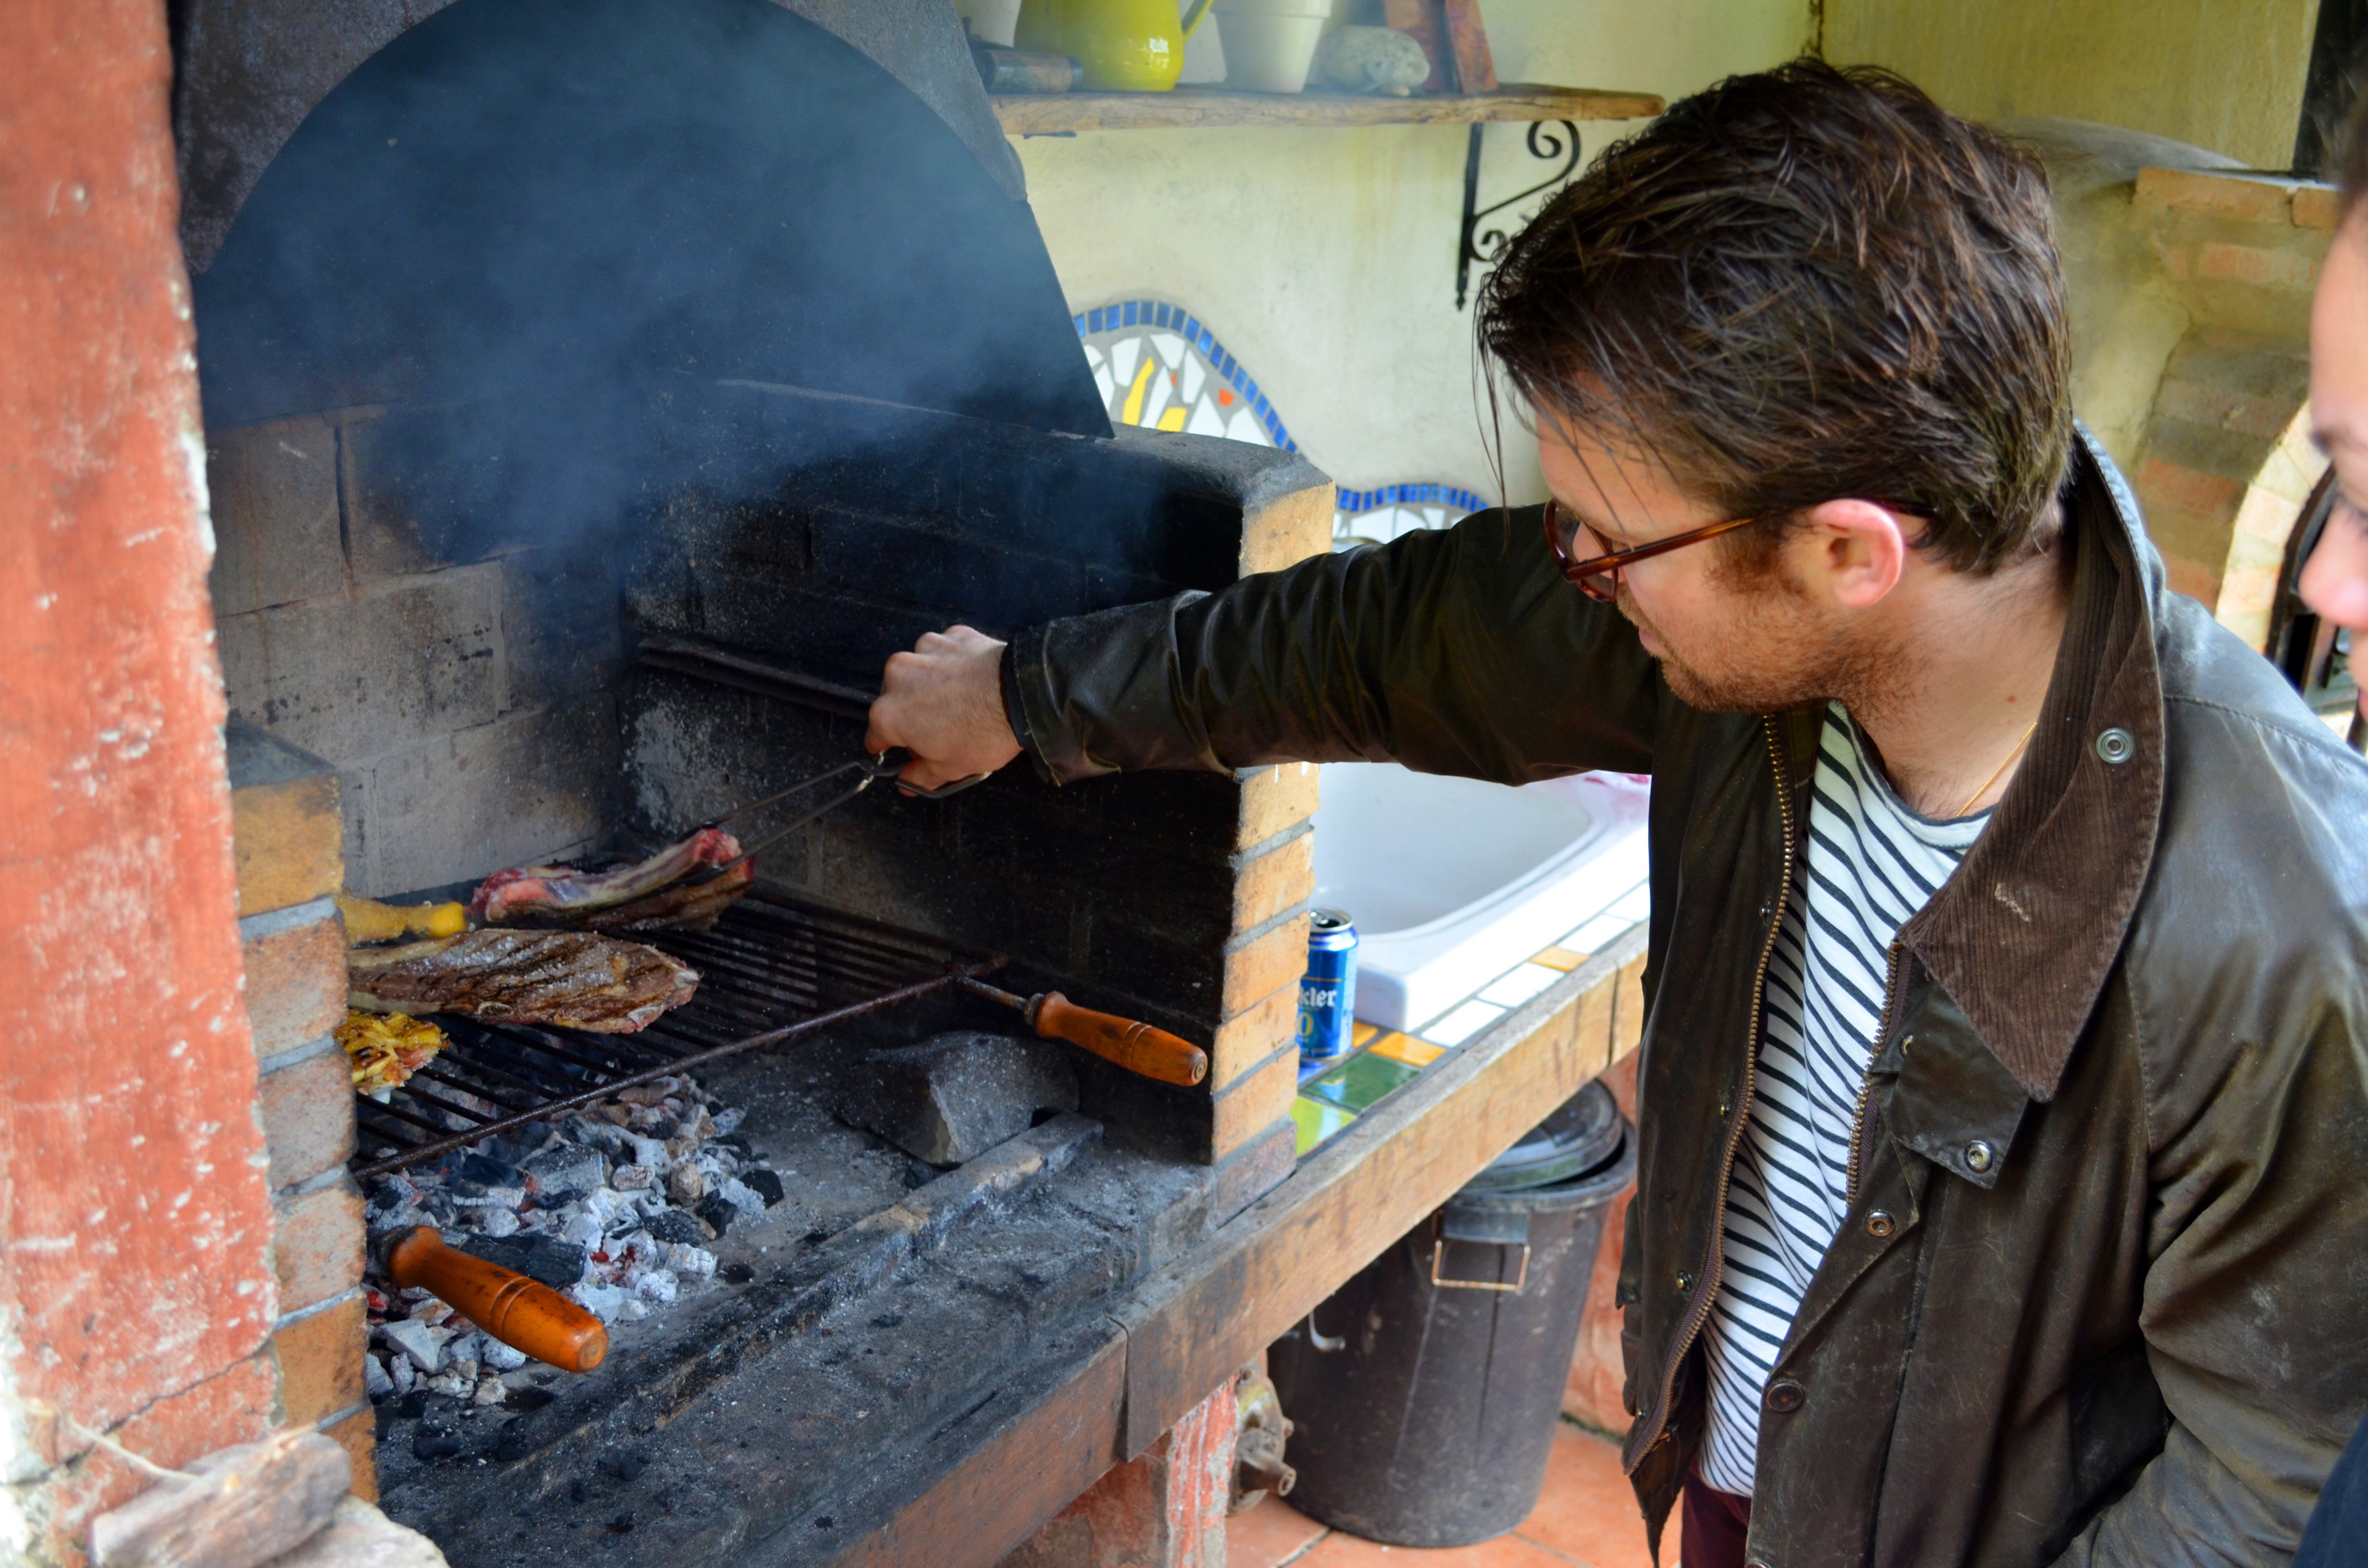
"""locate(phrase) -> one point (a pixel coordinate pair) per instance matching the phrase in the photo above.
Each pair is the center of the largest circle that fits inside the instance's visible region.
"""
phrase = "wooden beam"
(1055, 114)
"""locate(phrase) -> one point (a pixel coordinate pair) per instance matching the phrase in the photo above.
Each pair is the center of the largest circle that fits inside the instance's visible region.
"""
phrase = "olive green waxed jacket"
(2102, 1294)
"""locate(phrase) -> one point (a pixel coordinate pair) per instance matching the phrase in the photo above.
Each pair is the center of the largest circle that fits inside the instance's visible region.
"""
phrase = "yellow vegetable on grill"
(367, 920)
(386, 1048)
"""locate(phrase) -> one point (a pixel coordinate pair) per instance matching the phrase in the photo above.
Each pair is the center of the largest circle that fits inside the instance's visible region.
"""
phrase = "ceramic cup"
(1270, 43)
(992, 21)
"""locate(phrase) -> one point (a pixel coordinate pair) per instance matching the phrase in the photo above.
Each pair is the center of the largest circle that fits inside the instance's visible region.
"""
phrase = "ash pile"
(615, 1206)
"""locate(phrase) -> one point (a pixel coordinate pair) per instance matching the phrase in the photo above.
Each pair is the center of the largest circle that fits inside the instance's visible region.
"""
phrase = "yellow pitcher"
(1125, 46)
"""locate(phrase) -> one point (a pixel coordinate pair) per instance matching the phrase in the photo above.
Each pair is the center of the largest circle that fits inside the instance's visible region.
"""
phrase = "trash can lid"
(1583, 1133)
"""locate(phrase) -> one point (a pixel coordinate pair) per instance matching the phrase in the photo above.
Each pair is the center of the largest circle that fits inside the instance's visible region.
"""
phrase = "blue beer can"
(1327, 993)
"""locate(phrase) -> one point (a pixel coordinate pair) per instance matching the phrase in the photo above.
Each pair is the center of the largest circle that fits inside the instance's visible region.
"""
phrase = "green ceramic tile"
(1359, 1081)
(1316, 1120)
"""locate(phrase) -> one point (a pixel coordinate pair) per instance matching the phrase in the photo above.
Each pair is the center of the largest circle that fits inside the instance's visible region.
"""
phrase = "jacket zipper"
(1866, 1079)
(1707, 1288)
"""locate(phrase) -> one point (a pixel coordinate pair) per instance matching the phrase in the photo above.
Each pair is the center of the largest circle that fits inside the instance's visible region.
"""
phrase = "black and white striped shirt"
(1872, 863)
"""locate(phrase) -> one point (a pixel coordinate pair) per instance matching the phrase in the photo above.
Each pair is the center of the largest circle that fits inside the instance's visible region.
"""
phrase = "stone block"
(2257, 265)
(318, 1243)
(2317, 207)
(1275, 800)
(1287, 530)
(2248, 198)
(561, 633)
(1258, 963)
(526, 786)
(1628, 1008)
(2161, 481)
(239, 1507)
(1256, 1101)
(358, 1435)
(273, 489)
(295, 982)
(1252, 1035)
(360, 1536)
(285, 822)
(954, 1096)
(362, 678)
(320, 1361)
(1276, 880)
(308, 1117)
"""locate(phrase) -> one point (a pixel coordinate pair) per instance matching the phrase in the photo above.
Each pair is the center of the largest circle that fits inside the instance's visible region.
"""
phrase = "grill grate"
(769, 970)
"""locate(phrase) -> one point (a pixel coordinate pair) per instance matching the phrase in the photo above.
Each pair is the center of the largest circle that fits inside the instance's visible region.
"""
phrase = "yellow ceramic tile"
(1559, 958)
(1360, 1034)
(1406, 1049)
(1316, 1121)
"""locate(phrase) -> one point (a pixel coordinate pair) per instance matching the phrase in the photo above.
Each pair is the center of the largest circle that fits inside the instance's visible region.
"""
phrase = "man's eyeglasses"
(1596, 573)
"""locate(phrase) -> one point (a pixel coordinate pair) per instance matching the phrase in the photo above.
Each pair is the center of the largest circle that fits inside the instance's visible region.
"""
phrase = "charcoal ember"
(605, 1136)
(717, 1211)
(420, 1344)
(547, 1260)
(765, 1184)
(490, 1220)
(486, 1170)
(685, 1187)
(490, 1390)
(656, 1284)
(689, 1262)
(377, 1381)
(466, 1193)
(582, 1231)
(678, 1227)
(631, 1179)
(737, 1194)
(727, 1120)
(518, 1144)
(565, 1173)
(641, 1096)
(650, 1151)
(503, 1357)
(603, 1302)
(647, 1120)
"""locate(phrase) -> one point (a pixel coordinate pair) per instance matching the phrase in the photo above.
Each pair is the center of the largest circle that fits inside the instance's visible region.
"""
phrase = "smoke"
(531, 224)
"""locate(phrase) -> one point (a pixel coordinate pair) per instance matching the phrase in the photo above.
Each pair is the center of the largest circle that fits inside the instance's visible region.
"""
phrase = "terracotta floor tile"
(1268, 1535)
(1339, 1550)
(1587, 1510)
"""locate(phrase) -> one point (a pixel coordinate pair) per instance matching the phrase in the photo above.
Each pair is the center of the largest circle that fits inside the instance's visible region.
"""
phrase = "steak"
(572, 979)
(685, 907)
(563, 893)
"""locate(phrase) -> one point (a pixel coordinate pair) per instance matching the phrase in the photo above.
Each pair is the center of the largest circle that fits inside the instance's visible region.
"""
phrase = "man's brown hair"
(1804, 285)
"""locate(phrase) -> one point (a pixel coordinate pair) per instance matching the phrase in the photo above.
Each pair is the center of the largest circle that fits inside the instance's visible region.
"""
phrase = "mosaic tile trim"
(1384, 1061)
(1159, 367)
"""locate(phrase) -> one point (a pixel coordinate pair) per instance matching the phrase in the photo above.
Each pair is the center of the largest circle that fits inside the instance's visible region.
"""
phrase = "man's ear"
(1853, 551)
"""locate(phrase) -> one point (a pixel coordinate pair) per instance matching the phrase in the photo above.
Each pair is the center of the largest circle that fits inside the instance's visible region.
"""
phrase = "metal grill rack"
(769, 970)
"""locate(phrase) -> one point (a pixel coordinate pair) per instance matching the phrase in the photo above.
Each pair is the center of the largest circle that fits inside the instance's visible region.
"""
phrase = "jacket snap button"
(1880, 1224)
(1785, 1396)
(2116, 746)
(1979, 1157)
(1685, 1282)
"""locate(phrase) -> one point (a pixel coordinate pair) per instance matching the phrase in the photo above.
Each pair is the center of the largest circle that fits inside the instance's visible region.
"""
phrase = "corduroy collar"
(2025, 933)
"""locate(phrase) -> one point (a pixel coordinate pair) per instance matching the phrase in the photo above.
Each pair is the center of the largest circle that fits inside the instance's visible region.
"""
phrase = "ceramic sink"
(1450, 882)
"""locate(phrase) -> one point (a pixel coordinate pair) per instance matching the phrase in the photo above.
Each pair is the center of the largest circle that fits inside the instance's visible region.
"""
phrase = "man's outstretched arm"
(1461, 651)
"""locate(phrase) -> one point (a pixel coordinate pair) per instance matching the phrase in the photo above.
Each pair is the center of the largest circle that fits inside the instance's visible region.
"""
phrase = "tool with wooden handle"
(516, 1311)
(1137, 1047)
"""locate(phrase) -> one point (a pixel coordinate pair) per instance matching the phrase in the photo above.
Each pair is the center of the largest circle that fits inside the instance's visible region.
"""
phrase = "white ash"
(637, 1184)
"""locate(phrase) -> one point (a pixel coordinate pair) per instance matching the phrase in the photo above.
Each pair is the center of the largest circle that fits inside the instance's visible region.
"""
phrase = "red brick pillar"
(139, 1288)
(1166, 1509)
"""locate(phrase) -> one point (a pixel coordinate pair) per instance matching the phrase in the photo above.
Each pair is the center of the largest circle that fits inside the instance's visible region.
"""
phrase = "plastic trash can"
(1423, 1394)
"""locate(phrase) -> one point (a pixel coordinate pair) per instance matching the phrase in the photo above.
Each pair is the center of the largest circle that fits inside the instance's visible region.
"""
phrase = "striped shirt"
(1872, 864)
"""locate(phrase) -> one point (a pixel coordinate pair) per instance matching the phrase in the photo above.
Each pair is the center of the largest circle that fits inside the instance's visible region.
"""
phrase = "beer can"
(1327, 993)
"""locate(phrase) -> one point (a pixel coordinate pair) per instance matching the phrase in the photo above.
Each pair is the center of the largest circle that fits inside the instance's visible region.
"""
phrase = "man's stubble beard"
(1778, 657)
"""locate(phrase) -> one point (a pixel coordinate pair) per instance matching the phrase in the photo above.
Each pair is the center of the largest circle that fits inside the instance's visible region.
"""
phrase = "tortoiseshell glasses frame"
(1598, 576)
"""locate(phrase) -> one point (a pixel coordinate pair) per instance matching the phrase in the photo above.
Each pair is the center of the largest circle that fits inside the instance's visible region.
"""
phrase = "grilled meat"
(573, 979)
(685, 907)
(563, 893)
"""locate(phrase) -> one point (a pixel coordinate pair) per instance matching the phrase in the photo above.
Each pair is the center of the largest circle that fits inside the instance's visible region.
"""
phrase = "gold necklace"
(2001, 768)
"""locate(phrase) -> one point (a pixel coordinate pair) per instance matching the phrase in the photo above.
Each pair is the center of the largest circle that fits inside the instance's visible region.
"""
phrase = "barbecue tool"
(1137, 1047)
(522, 1314)
(871, 769)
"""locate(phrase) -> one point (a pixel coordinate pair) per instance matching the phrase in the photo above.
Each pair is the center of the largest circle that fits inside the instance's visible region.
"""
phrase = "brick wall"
(286, 822)
(458, 678)
(137, 1291)
(2228, 463)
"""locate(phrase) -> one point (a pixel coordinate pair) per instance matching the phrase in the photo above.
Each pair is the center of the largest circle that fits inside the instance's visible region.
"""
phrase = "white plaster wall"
(1326, 259)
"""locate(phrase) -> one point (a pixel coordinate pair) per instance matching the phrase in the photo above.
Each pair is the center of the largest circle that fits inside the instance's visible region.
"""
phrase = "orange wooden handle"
(1136, 1047)
(521, 1312)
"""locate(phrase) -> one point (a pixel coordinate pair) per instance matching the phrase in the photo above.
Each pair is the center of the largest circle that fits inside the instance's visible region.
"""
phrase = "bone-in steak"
(570, 978)
(562, 892)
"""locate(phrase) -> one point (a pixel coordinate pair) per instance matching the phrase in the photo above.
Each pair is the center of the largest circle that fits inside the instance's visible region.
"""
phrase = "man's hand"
(944, 702)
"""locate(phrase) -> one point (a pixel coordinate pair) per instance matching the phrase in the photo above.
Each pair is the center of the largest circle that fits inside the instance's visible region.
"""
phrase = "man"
(2003, 1130)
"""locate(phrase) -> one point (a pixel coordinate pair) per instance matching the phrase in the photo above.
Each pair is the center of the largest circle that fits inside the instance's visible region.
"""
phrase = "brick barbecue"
(471, 616)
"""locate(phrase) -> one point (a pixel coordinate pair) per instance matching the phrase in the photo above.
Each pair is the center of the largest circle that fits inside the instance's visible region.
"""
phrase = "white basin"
(1452, 882)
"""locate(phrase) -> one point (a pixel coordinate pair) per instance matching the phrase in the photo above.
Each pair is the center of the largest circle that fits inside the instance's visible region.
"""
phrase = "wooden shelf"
(1055, 114)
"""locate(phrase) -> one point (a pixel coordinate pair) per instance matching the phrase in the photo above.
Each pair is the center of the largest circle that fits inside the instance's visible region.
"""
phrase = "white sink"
(1452, 882)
